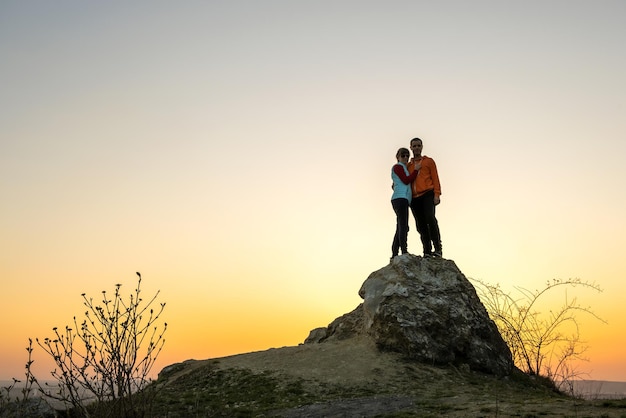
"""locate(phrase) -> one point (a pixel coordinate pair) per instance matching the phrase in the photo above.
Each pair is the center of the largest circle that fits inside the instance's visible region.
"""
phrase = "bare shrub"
(19, 400)
(541, 343)
(104, 361)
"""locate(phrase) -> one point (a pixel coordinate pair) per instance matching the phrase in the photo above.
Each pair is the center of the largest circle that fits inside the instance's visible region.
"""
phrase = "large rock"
(426, 309)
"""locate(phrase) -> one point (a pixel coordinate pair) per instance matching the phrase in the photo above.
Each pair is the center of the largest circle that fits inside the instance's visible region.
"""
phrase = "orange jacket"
(427, 178)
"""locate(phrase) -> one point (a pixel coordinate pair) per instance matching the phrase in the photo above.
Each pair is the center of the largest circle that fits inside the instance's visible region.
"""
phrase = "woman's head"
(403, 155)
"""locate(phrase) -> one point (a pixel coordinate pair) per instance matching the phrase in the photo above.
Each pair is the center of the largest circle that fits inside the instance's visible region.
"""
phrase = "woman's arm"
(399, 170)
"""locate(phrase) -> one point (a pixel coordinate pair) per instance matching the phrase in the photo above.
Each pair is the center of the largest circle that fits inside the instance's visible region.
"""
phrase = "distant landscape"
(600, 389)
(18, 386)
(16, 391)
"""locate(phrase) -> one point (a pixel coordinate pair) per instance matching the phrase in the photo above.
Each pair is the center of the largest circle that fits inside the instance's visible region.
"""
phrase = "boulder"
(426, 309)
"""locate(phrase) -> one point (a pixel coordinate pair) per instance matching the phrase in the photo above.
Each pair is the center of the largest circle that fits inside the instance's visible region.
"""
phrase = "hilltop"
(353, 378)
(420, 344)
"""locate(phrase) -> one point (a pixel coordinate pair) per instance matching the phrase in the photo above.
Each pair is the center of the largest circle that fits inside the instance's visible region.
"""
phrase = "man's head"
(416, 147)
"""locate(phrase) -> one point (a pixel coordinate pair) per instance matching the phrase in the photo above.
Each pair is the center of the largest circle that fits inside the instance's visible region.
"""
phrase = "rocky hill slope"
(420, 344)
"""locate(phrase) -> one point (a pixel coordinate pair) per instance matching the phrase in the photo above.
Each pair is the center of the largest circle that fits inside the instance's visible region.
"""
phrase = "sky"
(238, 154)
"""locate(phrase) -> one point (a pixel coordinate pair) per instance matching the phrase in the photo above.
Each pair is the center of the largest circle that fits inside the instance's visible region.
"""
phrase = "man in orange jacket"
(426, 192)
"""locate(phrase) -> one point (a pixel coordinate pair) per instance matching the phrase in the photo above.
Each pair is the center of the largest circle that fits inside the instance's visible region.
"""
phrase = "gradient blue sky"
(238, 153)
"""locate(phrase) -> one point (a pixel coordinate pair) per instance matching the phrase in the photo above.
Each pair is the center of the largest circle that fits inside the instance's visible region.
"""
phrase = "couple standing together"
(416, 186)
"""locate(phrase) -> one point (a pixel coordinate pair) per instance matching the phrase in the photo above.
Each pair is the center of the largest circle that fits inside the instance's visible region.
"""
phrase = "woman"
(401, 199)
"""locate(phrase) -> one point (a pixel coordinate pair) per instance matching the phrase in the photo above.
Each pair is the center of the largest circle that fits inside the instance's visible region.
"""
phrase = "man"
(426, 192)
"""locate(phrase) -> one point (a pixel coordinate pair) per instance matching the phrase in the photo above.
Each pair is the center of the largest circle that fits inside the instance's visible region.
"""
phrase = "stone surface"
(426, 309)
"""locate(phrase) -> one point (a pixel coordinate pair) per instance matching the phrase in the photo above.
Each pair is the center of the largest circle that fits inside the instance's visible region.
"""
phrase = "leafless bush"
(104, 362)
(543, 344)
(19, 400)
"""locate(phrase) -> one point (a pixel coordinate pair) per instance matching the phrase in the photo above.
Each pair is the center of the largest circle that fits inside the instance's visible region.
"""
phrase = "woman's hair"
(401, 151)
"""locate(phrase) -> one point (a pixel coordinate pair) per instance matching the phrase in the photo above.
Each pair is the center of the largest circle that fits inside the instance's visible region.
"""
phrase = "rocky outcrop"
(426, 309)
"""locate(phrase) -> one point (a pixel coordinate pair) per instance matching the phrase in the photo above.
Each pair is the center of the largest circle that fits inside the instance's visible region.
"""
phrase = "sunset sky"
(238, 155)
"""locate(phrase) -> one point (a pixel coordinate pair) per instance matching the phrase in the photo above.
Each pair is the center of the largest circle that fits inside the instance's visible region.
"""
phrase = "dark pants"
(401, 207)
(423, 209)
